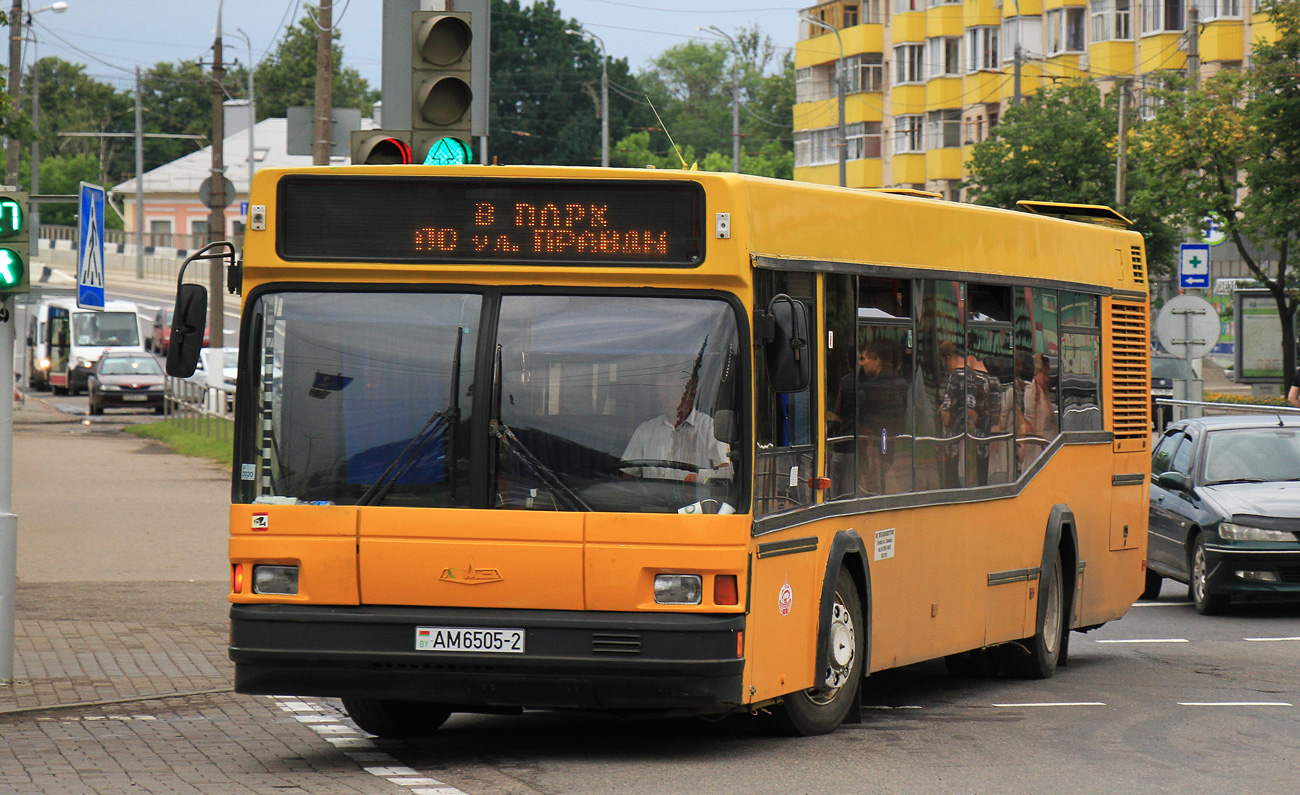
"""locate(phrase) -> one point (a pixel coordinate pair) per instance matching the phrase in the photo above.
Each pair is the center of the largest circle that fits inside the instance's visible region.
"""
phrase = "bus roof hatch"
(1084, 213)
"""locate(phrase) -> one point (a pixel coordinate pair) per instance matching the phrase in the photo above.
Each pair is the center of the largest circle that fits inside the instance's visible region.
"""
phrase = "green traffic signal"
(12, 269)
(448, 152)
(13, 217)
(14, 276)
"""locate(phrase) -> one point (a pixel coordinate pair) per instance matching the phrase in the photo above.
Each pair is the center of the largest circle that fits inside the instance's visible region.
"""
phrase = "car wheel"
(1036, 657)
(1152, 589)
(822, 708)
(1207, 604)
(384, 718)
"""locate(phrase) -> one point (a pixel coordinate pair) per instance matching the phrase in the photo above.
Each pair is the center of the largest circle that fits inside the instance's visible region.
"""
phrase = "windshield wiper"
(448, 418)
(506, 436)
(1237, 480)
(541, 471)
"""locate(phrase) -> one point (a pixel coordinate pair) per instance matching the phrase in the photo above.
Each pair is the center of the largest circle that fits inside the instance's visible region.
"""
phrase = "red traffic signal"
(380, 148)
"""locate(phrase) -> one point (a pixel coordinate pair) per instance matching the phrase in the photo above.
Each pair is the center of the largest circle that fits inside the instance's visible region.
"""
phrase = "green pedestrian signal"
(14, 241)
(448, 152)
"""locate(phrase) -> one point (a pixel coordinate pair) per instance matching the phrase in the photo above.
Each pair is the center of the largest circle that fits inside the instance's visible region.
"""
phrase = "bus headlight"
(44, 364)
(1241, 532)
(678, 589)
(278, 580)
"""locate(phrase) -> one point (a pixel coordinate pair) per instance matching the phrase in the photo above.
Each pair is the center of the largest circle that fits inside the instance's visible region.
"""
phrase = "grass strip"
(181, 435)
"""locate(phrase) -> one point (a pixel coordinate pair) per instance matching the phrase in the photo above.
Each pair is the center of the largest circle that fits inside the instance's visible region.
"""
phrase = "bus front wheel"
(822, 708)
(384, 718)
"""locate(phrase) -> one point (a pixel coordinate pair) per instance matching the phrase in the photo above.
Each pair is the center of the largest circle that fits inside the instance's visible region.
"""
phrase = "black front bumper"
(615, 661)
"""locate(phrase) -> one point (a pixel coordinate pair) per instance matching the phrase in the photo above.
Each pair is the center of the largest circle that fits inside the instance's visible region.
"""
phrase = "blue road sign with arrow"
(1194, 265)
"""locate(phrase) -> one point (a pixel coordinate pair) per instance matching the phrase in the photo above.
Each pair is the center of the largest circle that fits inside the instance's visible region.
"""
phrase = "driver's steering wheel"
(628, 463)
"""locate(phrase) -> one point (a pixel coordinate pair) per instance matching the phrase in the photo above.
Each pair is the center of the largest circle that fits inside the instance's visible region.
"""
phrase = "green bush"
(1245, 400)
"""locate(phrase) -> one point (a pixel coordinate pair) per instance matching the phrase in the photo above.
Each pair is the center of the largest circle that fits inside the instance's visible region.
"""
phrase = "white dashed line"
(1055, 704)
(1269, 640)
(1234, 704)
(1146, 640)
(326, 723)
(1161, 604)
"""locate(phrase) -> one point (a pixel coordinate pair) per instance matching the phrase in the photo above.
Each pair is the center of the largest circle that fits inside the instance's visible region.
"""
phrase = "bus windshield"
(99, 329)
(591, 403)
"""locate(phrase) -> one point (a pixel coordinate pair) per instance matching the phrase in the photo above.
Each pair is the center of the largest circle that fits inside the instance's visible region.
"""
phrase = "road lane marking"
(326, 722)
(1055, 704)
(1145, 640)
(1269, 640)
(1161, 604)
(1235, 704)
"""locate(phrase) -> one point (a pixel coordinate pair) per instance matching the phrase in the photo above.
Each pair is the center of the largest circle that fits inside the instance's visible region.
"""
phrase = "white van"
(64, 341)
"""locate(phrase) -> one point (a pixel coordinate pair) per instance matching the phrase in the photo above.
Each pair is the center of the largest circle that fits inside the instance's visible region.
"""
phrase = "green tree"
(177, 99)
(287, 78)
(14, 123)
(691, 86)
(63, 174)
(545, 105)
(1059, 145)
(72, 101)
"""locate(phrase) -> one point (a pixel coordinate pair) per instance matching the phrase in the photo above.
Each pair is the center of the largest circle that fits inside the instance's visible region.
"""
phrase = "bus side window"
(785, 436)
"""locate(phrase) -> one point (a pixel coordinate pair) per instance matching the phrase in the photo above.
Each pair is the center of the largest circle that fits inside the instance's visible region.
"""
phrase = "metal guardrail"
(200, 408)
(1183, 409)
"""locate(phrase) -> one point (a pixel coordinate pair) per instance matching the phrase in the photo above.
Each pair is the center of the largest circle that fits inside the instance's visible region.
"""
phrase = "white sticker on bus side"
(884, 544)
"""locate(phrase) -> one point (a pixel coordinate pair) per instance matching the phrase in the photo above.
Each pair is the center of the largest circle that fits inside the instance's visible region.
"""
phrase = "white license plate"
(135, 397)
(469, 639)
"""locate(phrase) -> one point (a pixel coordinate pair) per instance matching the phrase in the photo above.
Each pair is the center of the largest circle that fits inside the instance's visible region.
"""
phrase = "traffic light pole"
(8, 521)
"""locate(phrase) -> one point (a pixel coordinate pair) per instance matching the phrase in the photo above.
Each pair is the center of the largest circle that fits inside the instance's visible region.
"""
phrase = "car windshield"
(1170, 368)
(130, 365)
(597, 403)
(105, 328)
(1252, 454)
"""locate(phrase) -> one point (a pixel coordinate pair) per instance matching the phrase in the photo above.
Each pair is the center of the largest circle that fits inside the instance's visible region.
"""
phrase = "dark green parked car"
(1225, 509)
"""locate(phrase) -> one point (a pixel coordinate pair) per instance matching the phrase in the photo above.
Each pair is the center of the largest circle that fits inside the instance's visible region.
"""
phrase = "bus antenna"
(664, 127)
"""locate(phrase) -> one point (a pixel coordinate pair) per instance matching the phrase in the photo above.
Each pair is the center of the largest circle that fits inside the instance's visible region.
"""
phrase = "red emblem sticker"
(261, 521)
(785, 600)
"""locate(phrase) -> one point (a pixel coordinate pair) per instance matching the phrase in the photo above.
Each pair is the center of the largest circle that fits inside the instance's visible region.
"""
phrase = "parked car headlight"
(156, 388)
(1239, 532)
(85, 362)
(110, 388)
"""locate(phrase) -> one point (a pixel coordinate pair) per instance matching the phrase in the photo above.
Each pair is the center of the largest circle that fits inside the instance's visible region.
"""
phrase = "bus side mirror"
(789, 358)
(188, 321)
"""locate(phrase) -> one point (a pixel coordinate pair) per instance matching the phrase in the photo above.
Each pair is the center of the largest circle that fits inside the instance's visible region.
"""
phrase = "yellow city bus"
(672, 441)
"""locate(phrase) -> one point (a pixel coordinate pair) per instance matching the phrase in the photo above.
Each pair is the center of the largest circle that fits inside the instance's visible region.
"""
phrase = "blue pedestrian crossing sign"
(90, 248)
(1194, 265)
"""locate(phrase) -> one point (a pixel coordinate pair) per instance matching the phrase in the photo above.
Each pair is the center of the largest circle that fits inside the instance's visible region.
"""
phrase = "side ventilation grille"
(615, 643)
(1139, 266)
(1129, 377)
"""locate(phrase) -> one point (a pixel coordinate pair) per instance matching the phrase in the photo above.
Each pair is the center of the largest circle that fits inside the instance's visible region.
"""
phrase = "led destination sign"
(413, 219)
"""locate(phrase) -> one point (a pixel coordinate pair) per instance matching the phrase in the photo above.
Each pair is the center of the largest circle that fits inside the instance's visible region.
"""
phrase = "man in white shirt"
(680, 434)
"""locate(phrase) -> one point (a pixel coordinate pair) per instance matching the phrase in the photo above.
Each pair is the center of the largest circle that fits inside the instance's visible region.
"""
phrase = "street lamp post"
(252, 109)
(35, 213)
(839, 92)
(735, 95)
(604, 95)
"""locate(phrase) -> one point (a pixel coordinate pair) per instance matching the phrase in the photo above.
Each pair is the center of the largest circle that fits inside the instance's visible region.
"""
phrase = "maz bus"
(677, 442)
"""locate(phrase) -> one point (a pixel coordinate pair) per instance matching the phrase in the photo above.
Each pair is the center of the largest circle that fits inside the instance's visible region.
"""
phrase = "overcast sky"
(112, 37)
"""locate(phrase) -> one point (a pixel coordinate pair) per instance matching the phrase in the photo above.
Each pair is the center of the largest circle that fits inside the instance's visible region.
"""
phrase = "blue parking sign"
(1194, 265)
(90, 248)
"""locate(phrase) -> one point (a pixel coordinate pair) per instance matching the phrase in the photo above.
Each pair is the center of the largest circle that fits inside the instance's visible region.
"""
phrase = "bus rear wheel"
(384, 718)
(822, 708)
(1037, 656)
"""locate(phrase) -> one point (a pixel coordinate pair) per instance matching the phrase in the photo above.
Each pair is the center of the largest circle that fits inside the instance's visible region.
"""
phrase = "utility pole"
(15, 77)
(322, 133)
(1018, 58)
(1194, 43)
(1121, 146)
(139, 176)
(217, 192)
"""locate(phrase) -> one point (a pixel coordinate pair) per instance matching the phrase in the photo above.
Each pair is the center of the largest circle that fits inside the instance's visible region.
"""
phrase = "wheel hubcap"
(841, 657)
(1052, 618)
(1198, 573)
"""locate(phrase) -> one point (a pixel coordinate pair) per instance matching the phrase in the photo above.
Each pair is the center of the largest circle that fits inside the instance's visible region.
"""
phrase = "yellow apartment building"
(924, 80)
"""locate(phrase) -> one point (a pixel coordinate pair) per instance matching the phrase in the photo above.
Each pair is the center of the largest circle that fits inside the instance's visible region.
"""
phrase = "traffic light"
(14, 242)
(440, 82)
(381, 147)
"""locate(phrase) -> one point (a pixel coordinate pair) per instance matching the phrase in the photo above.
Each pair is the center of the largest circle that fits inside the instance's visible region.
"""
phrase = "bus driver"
(679, 434)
